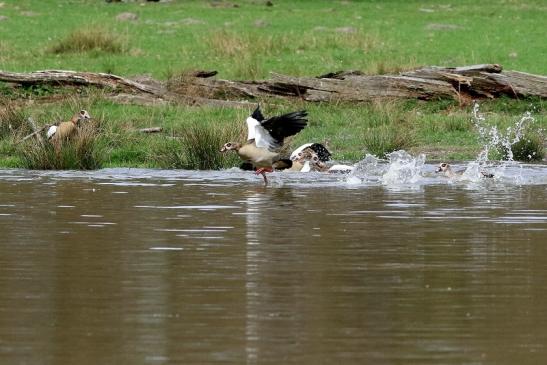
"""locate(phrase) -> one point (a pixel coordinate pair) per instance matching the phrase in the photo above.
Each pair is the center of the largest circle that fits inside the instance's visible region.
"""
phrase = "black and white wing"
(272, 131)
(322, 152)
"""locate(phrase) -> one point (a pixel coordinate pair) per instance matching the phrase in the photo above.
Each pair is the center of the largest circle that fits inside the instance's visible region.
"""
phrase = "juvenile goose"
(265, 139)
(447, 171)
(322, 152)
(307, 160)
(65, 130)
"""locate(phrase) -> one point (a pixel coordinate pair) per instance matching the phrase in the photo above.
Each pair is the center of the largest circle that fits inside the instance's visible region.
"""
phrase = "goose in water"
(314, 157)
(265, 139)
(310, 157)
(447, 171)
(320, 150)
(66, 130)
(307, 160)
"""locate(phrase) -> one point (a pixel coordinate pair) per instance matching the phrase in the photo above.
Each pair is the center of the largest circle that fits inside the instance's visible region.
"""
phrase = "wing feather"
(282, 126)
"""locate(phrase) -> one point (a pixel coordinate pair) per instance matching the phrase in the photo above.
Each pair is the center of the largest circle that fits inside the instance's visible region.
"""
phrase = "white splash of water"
(492, 138)
(368, 169)
(403, 168)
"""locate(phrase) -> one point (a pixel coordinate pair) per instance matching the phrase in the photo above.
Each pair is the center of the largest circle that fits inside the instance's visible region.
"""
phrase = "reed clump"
(385, 139)
(197, 147)
(81, 152)
(89, 39)
(389, 129)
(528, 149)
(12, 120)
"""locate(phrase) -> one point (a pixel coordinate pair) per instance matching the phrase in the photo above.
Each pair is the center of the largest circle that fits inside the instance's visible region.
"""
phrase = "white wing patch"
(299, 149)
(51, 131)
(251, 124)
(263, 139)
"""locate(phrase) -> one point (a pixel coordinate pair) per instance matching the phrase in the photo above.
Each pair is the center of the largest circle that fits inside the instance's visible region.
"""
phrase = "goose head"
(81, 115)
(309, 155)
(230, 146)
(443, 167)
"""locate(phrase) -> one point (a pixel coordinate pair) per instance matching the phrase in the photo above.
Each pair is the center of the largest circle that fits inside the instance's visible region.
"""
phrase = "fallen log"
(36, 131)
(200, 88)
(64, 77)
(486, 80)
(151, 130)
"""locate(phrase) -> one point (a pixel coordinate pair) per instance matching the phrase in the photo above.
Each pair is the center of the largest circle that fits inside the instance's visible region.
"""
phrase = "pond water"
(133, 266)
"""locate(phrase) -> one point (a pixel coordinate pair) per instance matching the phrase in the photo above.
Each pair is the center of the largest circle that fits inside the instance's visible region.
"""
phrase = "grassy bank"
(192, 136)
(247, 39)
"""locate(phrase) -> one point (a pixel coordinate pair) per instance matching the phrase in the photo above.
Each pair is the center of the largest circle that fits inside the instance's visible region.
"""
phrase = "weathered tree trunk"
(35, 130)
(198, 88)
(151, 130)
(486, 80)
(62, 77)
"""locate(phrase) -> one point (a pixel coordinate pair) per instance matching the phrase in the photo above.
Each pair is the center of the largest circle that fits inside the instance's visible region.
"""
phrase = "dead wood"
(200, 88)
(63, 77)
(151, 130)
(35, 130)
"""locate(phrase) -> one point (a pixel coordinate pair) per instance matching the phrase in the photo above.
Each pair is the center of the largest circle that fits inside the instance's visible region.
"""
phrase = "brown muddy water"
(125, 266)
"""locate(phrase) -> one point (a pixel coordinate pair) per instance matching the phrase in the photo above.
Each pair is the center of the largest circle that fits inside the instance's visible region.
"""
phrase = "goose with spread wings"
(265, 139)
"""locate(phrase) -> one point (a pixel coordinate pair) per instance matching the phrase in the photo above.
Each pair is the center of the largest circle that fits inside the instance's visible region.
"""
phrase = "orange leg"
(262, 171)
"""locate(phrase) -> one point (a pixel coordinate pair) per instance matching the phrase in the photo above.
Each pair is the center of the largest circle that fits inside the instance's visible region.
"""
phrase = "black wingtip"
(322, 152)
(257, 114)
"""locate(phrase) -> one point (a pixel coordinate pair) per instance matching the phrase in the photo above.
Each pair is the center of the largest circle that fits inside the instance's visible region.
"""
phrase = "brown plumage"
(265, 140)
(307, 160)
(447, 171)
(66, 130)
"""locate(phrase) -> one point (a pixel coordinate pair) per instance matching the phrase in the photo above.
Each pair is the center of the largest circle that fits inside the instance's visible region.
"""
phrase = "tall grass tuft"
(90, 39)
(385, 139)
(529, 148)
(12, 120)
(82, 152)
(249, 50)
(197, 147)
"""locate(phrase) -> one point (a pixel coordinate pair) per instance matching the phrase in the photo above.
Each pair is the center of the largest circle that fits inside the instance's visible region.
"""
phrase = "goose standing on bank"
(265, 139)
(66, 130)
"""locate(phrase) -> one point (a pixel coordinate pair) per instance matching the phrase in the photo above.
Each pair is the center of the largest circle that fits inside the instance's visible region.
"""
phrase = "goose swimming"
(447, 171)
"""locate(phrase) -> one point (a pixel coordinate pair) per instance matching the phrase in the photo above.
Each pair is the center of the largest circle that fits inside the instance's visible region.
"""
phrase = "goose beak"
(438, 169)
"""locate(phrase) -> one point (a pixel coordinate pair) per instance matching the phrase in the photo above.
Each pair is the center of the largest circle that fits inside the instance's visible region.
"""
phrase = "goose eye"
(443, 165)
(82, 112)
(228, 145)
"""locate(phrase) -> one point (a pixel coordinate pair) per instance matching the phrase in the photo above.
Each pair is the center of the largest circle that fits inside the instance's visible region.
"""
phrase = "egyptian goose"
(65, 130)
(307, 160)
(265, 139)
(314, 157)
(447, 171)
(320, 150)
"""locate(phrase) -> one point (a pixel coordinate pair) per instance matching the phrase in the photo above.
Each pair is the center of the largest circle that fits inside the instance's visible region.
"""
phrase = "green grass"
(299, 38)
(82, 152)
(308, 37)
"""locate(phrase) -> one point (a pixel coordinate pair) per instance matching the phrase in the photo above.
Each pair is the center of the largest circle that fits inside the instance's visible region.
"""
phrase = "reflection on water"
(153, 267)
